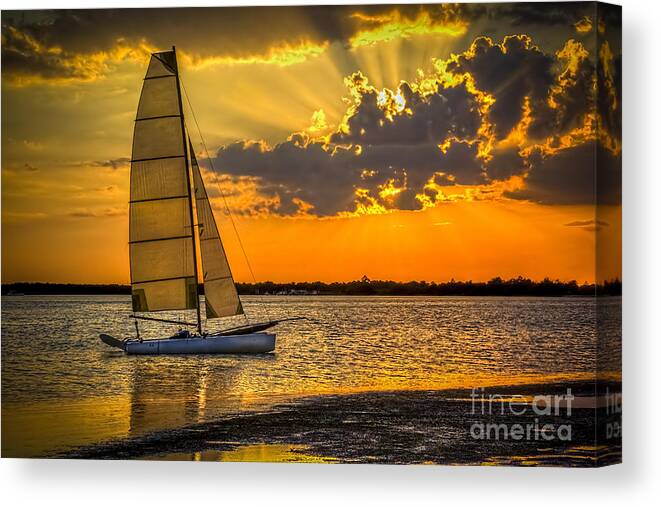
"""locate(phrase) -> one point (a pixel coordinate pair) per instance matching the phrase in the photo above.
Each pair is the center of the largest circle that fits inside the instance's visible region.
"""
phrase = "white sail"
(220, 292)
(161, 245)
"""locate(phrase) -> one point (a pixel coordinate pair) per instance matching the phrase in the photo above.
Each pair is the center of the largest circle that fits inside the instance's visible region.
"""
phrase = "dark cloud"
(413, 166)
(113, 212)
(328, 179)
(584, 174)
(541, 13)
(107, 213)
(233, 32)
(114, 163)
(609, 176)
(429, 119)
(505, 162)
(211, 29)
(461, 161)
(588, 225)
(22, 57)
(220, 32)
(207, 29)
(295, 171)
(583, 223)
(556, 90)
(393, 144)
(609, 93)
(509, 72)
(81, 214)
(377, 151)
(573, 93)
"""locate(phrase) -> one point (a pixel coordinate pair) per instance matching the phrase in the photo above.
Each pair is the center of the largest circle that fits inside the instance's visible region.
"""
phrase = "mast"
(190, 196)
(222, 299)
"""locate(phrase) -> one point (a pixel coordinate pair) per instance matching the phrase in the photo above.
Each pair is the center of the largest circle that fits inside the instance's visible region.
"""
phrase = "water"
(62, 387)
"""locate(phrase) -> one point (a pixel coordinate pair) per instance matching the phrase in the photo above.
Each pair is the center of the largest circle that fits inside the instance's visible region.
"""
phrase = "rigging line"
(218, 187)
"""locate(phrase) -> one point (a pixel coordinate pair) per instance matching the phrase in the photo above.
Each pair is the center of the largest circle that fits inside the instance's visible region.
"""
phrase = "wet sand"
(409, 427)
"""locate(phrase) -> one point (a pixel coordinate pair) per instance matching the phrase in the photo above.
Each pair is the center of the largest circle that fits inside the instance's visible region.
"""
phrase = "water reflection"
(183, 390)
(266, 453)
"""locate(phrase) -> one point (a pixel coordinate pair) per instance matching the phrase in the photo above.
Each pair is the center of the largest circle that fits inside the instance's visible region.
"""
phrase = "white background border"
(94, 483)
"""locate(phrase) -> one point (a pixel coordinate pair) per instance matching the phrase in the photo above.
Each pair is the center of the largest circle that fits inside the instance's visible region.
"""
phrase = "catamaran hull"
(255, 343)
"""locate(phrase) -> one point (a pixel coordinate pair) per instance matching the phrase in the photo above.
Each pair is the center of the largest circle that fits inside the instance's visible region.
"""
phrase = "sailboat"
(171, 225)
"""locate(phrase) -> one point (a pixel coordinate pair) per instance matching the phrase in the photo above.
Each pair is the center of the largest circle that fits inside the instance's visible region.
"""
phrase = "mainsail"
(161, 239)
(161, 216)
(220, 293)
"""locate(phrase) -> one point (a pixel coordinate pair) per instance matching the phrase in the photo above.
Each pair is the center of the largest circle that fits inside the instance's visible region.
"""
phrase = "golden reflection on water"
(271, 453)
(37, 428)
(200, 395)
(153, 403)
(32, 429)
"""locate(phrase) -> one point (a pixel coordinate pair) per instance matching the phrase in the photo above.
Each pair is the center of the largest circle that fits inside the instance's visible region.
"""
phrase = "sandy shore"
(499, 425)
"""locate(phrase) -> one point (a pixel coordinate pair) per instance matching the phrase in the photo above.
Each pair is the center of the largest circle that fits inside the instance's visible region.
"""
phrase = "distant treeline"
(495, 287)
(82, 289)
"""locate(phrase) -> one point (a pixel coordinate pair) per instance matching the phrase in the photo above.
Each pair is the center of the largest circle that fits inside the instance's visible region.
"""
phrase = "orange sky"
(464, 240)
(66, 141)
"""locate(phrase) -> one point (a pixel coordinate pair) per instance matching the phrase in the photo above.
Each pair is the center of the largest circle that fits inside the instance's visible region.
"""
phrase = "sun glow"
(394, 25)
(282, 56)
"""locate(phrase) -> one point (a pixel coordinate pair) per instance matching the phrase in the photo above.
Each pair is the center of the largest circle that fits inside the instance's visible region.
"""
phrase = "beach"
(409, 427)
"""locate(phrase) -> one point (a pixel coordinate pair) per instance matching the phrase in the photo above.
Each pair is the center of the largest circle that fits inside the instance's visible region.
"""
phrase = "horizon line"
(369, 280)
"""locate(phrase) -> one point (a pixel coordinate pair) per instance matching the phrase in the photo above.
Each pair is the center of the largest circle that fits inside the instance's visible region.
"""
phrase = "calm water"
(62, 387)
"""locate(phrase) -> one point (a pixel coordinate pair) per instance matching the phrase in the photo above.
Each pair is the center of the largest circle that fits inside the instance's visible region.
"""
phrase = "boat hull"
(254, 343)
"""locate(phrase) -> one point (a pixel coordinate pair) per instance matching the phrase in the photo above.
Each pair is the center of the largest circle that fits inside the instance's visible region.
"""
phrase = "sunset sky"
(398, 142)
